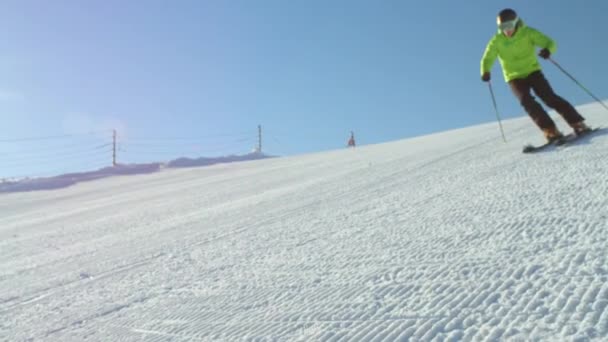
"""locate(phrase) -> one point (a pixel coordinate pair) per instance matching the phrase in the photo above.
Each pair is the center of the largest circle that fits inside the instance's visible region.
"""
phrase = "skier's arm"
(489, 57)
(541, 40)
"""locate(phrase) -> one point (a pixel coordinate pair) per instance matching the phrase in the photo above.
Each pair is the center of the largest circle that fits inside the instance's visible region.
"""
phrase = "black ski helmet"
(505, 15)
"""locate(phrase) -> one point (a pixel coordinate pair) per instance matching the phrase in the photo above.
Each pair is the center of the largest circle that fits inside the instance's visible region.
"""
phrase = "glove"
(544, 53)
(485, 77)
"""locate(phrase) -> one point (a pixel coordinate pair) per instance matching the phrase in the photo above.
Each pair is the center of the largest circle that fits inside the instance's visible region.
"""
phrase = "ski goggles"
(508, 25)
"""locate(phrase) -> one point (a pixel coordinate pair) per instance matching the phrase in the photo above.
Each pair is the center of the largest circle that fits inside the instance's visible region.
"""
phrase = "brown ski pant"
(536, 81)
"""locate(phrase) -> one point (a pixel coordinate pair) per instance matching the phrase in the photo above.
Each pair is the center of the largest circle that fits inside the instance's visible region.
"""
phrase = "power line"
(55, 157)
(197, 138)
(52, 137)
(64, 148)
(98, 150)
(178, 144)
(191, 144)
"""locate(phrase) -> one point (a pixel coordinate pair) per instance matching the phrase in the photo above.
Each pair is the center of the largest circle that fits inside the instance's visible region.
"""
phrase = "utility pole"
(113, 147)
(260, 139)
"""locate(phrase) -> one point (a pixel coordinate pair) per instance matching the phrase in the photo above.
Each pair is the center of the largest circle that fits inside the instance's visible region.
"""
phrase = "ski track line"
(37, 296)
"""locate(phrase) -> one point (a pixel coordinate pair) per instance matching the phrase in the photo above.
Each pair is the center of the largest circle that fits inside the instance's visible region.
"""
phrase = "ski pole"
(496, 110)
(577, 82)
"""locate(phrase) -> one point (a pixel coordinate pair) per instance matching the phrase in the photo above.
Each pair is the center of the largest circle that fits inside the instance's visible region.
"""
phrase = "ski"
(567, 139)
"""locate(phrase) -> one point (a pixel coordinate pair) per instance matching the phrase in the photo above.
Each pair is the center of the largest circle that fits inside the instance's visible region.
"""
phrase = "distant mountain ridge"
(69, 179)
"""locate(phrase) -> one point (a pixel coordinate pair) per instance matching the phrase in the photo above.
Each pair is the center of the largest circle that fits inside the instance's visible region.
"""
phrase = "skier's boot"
(554, 136)
(580, 128)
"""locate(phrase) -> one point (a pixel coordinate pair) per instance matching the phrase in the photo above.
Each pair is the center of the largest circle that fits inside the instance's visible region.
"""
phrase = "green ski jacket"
(517, 55)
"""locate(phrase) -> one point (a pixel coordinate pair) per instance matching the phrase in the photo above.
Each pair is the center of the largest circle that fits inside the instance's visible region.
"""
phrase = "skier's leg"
(521, 89)
(543, 89)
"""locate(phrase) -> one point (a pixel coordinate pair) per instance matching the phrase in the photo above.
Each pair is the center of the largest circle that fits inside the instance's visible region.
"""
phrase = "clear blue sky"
(308, 71)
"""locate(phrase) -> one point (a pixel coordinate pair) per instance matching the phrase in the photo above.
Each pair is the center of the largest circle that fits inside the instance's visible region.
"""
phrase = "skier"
(514, 45)
(351, 141)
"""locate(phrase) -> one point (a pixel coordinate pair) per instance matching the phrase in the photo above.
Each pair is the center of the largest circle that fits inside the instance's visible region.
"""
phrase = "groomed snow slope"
(448, 237)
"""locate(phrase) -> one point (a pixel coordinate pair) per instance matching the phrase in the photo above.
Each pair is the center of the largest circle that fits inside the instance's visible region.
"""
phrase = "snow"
(447, 237)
